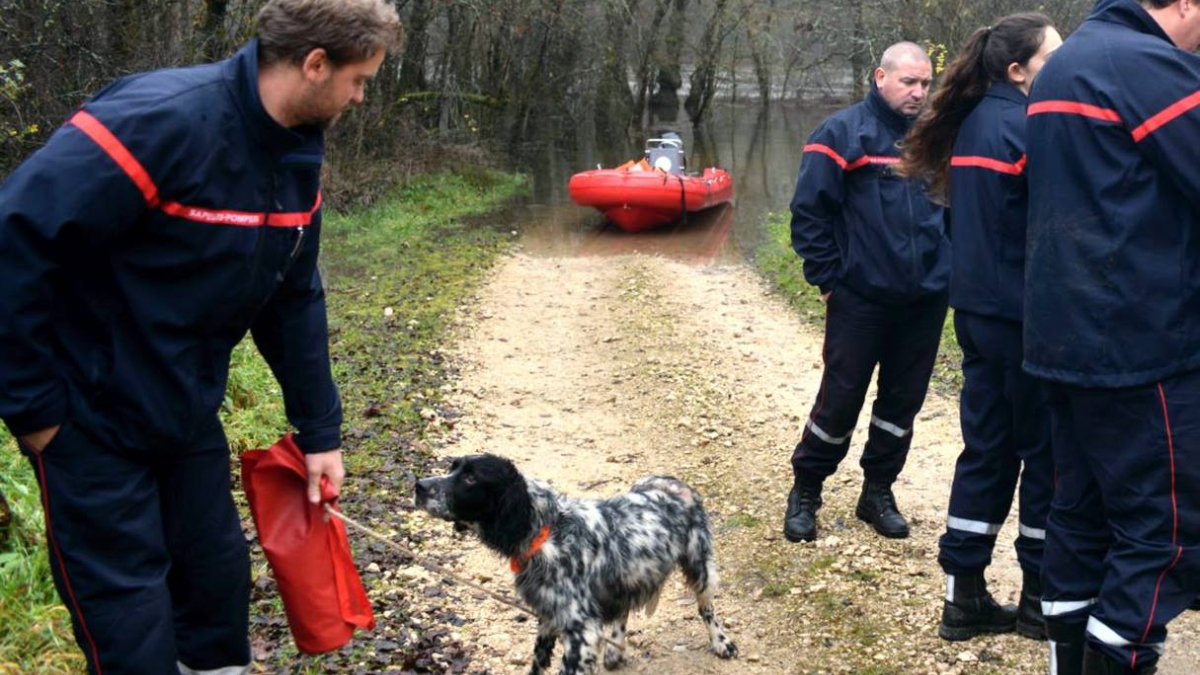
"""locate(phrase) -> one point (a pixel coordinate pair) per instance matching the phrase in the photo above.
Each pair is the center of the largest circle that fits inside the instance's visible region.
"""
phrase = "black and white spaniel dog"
(582, 565)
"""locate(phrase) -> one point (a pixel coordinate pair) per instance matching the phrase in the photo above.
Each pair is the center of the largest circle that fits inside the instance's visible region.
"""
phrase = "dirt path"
(590, 372)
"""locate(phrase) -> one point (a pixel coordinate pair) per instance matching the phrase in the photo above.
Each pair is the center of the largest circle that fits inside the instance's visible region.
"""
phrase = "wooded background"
(483, 73)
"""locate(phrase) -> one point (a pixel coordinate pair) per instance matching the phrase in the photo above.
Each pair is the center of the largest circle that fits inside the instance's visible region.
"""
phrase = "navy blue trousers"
(1123, 536)
(859, 335)
(1006, 438)
(147, 553)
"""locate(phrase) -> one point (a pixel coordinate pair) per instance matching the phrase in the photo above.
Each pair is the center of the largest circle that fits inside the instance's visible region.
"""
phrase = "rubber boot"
(1030, 622)
(1067, 641)
(970, 610)
(1096, 662)
(800, 521)
(877, 506)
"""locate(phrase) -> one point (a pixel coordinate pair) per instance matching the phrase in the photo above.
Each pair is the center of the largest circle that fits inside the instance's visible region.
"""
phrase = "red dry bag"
(322, 593)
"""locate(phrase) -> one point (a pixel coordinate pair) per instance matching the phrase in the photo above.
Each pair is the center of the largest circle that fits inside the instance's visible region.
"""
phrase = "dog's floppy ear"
(511, 524)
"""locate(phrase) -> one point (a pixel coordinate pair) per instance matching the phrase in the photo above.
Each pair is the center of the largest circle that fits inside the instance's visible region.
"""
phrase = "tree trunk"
(212, 29)
(704, 77)
(859, 57)
(412, 66)
(670, 70)
(650, 51)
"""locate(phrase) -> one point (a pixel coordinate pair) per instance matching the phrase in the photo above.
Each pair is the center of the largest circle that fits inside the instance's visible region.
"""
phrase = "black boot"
(800, 521)
(1195, 605)
(1096, 663)
(1030, 621)
(1066, 646)
(877, 506)
(969, 610)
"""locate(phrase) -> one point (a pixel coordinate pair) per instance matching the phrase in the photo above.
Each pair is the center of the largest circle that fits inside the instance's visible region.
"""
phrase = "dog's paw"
(613, 659)
(724, 648)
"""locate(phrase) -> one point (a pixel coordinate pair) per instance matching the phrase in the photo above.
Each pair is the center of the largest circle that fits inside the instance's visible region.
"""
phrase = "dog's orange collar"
(517, 564)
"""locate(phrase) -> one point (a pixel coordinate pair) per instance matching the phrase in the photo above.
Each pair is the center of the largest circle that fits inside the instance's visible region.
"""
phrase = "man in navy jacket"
(174, 212)
(876, 247)
(1113, 321)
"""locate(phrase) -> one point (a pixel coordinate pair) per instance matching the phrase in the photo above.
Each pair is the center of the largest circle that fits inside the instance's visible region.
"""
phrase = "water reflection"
(759, 146)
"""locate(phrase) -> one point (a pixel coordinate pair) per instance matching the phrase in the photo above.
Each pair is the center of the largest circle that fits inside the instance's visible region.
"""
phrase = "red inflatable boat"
(650, 192)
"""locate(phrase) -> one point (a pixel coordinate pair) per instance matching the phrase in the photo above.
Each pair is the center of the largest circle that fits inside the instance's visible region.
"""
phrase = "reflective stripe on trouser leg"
(1057, 608)
(1032, 532)
(1101, 632)
(889, 427)
(827, 437)
(973, 526)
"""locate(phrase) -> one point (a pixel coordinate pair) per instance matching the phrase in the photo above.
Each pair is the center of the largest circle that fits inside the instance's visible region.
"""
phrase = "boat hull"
(640, 200)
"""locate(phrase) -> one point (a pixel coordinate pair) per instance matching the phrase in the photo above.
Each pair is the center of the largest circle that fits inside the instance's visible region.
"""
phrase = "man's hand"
(324, 464)
(38, 440)
(825, 296)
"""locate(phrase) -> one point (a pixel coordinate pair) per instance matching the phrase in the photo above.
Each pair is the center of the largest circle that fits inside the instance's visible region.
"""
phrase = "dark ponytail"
(983, 61)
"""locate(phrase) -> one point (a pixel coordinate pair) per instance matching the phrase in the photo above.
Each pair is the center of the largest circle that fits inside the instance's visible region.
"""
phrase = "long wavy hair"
(983, 61)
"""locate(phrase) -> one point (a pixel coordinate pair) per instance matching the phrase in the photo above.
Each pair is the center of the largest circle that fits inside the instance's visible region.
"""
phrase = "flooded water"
(760, 147)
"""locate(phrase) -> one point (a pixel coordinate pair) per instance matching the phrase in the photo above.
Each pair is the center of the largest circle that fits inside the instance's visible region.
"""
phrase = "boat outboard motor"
(666, 153)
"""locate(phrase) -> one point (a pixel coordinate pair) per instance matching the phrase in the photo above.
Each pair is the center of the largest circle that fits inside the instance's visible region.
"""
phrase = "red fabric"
(322, 593)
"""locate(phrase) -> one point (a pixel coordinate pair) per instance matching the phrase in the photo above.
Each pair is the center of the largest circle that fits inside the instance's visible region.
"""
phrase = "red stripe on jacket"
(1177, 109)
(101, 136)
(1074, 108)
(1011, 168)
(850, 166)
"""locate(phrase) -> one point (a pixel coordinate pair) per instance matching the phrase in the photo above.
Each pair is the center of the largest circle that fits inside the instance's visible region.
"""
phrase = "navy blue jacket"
(856, 223)
(169, 216)
(990, 200)
(1113, 279)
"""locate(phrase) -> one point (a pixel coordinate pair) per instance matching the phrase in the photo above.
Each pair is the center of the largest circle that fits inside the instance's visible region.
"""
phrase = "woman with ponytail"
(970, 146)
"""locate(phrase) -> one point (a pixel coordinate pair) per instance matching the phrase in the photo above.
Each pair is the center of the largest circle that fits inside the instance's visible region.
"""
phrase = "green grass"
(742, 520)
(784, 269)
(421, 253)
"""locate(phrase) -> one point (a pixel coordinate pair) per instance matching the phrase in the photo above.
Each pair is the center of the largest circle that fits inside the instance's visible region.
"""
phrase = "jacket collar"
(880, 108)
(1130, 14)
(1007, 92)
(241, 77)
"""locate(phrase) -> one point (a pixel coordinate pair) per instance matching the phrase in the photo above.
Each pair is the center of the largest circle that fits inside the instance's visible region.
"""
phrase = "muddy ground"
(590, 372)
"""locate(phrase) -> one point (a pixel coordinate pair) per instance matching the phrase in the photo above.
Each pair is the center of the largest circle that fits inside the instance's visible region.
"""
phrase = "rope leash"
(438, 569)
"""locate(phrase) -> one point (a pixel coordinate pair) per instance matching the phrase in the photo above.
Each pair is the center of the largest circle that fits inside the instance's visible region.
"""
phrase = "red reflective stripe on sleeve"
(1074, 108)
(1161, 119)
(294, 219)
(96, 131)
(872, 159)
(1011, 168)
(826, 150)
(850, 166)
(213, 216)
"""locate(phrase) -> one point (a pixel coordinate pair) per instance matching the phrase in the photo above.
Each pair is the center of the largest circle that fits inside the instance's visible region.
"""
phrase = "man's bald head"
(902, 51)
(903, 77)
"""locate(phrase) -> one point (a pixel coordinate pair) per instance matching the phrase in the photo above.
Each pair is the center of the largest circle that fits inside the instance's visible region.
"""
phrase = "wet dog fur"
(602, 560)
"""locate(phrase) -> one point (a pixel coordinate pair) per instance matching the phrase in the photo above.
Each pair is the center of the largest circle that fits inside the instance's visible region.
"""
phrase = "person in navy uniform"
(876, 247)
(173, 213)
(970, 145)
(1112, 320)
